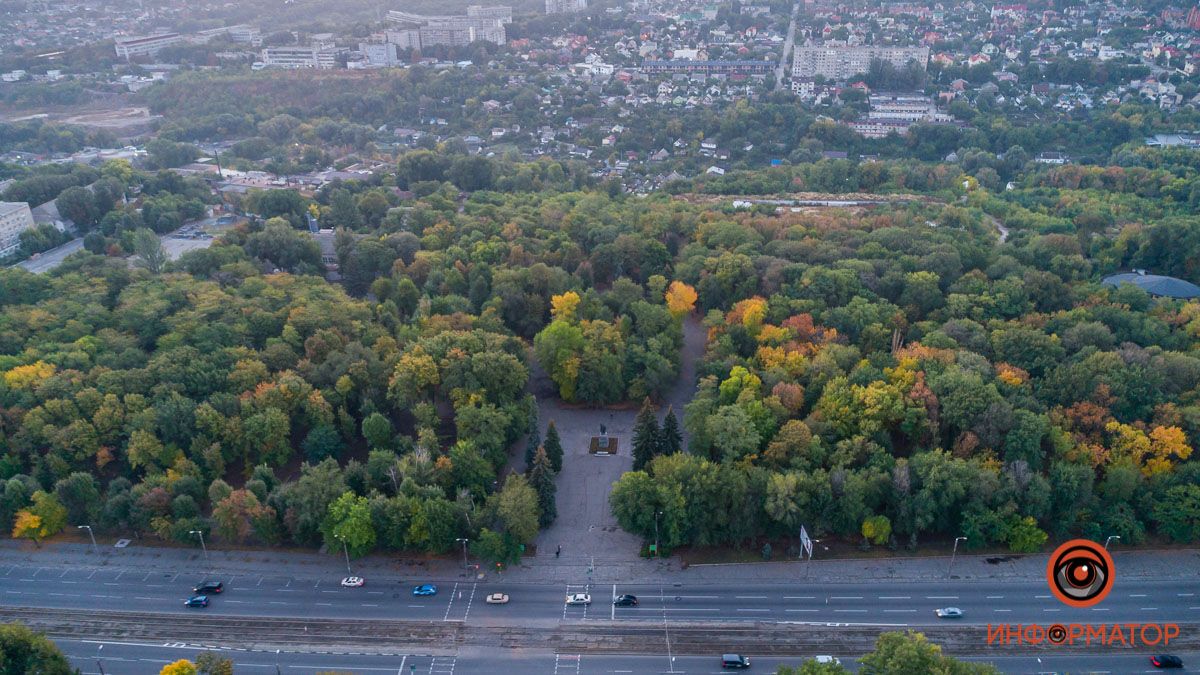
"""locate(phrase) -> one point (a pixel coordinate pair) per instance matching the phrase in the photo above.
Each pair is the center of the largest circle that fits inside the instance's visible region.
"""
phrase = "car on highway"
(948, 613)
(579, 599)
(206, 587)
(626, 600)
(827, 659)
(497, 599)
(1166, 661)
(424, 590)
(735, 661)
(197, 601)
(353, 582)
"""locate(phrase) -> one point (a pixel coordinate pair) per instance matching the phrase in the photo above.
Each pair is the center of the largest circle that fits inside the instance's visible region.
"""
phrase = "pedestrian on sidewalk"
(558, 550)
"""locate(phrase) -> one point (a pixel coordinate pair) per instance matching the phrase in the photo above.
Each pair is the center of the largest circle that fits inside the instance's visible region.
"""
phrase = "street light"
(954, 554)
(1110, 538)
(345, 550)
(204, 548)
(95, 548)
(656, 515)
(463, 541)
(99, 664)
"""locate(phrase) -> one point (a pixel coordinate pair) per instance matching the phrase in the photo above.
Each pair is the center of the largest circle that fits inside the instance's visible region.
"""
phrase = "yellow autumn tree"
(681, 299)
(24, 377)
(562, 307)
(180, 667)
(28, 526)
(1168, 445)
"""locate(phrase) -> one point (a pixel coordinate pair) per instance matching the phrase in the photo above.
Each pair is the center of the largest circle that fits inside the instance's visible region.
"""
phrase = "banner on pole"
(805, 542)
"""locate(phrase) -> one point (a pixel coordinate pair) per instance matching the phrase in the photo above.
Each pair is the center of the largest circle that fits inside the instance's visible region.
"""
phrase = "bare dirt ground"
(116, 120)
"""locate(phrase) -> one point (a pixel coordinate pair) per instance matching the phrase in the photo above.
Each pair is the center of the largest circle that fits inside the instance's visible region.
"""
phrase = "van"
(734, 661)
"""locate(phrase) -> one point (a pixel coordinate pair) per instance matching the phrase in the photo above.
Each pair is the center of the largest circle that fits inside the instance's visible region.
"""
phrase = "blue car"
(197, 601)
(424, 590)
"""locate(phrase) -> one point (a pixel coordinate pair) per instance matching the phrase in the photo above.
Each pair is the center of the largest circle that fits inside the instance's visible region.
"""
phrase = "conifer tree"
(553, 445)
(541, 478)
(645, 436)
(535, 440)
(670, 438)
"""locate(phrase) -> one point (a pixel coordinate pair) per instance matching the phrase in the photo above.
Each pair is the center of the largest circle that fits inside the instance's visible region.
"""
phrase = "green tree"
(80, 494)
(378, 431)
(646, 436)
(877, 529)
(559, 349)
(149, 252)
(534, 442)
(23, 652)
(553, 446)
(811, 667)
(46, 517)
(1177, 513)
(211, 663)
(541, 478)
(1023, 535)
(77, 205)
(671, 437)
(322, 441)
(496, 547)
(910, 652)
(349, 523)
(517, 508)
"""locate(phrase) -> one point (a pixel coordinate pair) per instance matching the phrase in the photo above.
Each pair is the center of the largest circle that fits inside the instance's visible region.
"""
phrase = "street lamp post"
(953, 555)
(91, 534)
(345, 550)
(656, 515)
(1110, 538)
(204, 548)
(463, 541)
(809, 564)
(99, 663)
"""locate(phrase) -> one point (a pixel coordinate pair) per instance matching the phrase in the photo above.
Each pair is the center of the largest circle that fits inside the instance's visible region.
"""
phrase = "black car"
(735, 661)
(626, 601)
(197, 601)
(206, 587)
(1166, 661)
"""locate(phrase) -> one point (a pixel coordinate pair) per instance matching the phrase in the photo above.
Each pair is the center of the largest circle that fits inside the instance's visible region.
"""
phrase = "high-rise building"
(15, 218)
(565, 6)
(840, 63)
(478, 24)
(129, 47)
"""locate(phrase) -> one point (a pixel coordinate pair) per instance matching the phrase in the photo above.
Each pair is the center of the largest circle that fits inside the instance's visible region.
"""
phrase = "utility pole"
(953, 555)
(345, 550)
(204, 548)
(95, 549)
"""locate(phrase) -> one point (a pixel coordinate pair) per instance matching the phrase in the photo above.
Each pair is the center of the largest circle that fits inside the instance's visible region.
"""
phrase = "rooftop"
(1166, 287)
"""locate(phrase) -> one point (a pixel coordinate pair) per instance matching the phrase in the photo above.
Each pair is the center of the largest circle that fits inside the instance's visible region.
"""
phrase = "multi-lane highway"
(123, 658)
(883, 603)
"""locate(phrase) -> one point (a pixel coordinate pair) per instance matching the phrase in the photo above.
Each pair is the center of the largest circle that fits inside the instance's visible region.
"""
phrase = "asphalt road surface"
(117, 658)
(885, 603)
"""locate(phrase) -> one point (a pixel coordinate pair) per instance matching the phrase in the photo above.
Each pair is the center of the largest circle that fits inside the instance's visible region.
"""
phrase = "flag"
(805, 542)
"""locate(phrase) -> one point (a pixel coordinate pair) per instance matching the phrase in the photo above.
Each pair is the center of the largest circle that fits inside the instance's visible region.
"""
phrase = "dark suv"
(205, 587)
(736, 661)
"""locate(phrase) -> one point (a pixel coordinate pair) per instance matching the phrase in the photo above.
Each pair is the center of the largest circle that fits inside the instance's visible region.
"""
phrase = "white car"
(579, 599)
(948, 613)
(827, 659)
(497, 599)
(353, 582)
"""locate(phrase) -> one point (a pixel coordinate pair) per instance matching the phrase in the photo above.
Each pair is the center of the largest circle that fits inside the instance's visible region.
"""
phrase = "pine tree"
(541, 479)
(645, 436)
(553, 447)
(535, 440)
(670, 438)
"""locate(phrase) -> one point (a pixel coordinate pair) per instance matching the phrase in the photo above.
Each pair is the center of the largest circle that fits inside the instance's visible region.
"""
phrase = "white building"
(840, 63)
(15, 218)
(380, 54)
(129, 47)
(565, 6)
(479, 24)
(317, 56)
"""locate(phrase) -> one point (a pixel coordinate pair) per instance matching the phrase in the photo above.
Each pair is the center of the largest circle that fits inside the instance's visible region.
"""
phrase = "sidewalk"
(1150, 564)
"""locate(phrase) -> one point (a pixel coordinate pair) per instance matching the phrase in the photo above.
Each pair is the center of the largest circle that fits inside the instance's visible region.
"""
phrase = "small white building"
(15, 218)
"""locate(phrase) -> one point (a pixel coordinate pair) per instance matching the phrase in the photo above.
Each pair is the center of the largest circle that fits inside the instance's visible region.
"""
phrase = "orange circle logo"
(1080, 573)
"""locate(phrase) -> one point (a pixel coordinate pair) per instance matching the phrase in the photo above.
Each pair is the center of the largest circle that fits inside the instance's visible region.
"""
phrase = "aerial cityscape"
(569, 337)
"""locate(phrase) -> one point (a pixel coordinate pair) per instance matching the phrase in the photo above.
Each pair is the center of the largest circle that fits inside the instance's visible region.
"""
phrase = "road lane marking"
(995, 597)
(1042, 597)
(800, 610)
(895, 597)
(750, 597)
(857, 611)
(1185, 595)
(941, 597)
(1149, 609)
(1001, 610)
(799, 597)
(1051, 610)
(753, 610)
(1099, 609)
(1137, 595)
(895, 611)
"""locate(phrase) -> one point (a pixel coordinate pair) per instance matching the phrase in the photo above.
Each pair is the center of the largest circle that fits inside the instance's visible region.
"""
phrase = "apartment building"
(316, 56)
(149, 45)
(565, 6)
(901, 108)
(840, 63)
(380, 54)
(15, 218)
(478, 24)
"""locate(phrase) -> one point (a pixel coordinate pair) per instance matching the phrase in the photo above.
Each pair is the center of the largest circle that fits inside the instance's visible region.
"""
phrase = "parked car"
(579, 599)
(197, 601)
(205, 587)
(626, 600)
(353, 582)
(497, 599)
(949, 613)
(827, 659)
(1166, 661)
(424, 590)
(735, 661)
